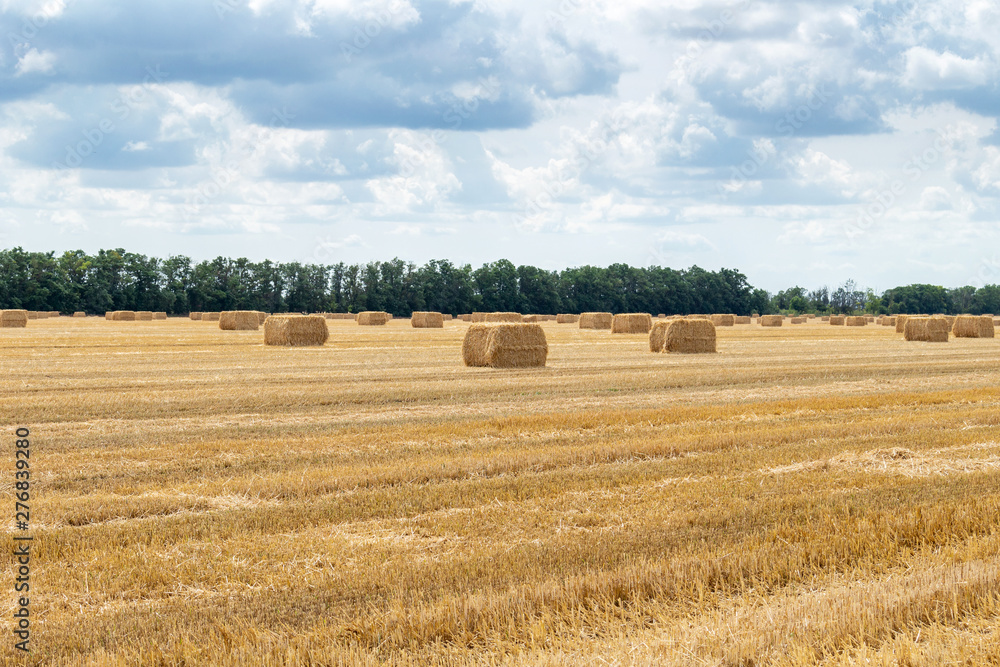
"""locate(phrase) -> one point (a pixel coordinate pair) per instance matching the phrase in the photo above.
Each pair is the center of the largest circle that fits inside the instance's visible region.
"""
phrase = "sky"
(800, 142)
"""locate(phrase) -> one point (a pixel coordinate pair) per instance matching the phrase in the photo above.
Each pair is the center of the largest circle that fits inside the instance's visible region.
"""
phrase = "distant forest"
(121, 280)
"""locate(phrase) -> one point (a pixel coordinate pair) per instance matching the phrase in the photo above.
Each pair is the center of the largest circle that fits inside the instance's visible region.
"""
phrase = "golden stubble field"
(811, 494)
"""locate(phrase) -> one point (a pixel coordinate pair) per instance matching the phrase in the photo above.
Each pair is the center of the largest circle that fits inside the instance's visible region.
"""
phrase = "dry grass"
(809, 495)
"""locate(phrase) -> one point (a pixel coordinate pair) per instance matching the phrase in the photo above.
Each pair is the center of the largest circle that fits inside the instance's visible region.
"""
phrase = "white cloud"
(930, 70)
(34, 60)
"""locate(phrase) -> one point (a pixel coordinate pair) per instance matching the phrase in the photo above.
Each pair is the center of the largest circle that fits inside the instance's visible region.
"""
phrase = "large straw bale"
(632, 323)
(505, 345)
(295, 330)
(986, 328)
(742, 319)
(771, 320)
(427, 320)
(966, 326)
(239, 320)
(596, 320)
(901, 323)
(13, 319)
(211, 317)
(372, 318)
(159, 315)
(124, 316)
(195, 315)
(477, 317)
(144, 315)
(838, 320)
(926, 329)
(511, 318)
(724, 320)
(684, 336)
(858, 321)
(566, 318)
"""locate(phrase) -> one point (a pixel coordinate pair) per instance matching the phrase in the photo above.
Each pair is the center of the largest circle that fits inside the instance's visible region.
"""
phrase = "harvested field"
(808, 495)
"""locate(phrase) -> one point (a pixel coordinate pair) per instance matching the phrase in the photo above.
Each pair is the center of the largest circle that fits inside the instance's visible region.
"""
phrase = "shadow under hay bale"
(13, 319)
(596, 320)
(632, 323)
(505, 345)
(295, 330)
(683, 337)
(239, 320)
(427, 320)
(771, 320)
(373, 318)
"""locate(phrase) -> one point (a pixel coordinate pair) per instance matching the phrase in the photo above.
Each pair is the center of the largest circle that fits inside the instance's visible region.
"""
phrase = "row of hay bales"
(134, 315)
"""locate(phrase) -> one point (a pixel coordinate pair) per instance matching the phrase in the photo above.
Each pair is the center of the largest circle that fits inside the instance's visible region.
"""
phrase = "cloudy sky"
(799, 141)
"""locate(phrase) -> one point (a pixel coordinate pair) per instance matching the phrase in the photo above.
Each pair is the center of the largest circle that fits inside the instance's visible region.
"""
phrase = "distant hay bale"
(531, 319)
(986, 328)
(42, 315)
(901, 323)
(110, 315)
(210, 317)
(13, 319)
(427, 320)
(195, 315)
(869, 319)
(632, 323)
(799, 320)
(295, 330)
(837, 320)
(858, 321)
(447, 317)
(742, 319)
(926, 329)
(79, 313)
(596, 320)
(825, 318)
(239, 320)
(508, 317)
(372, 318)
(159, 315)
(124, 316)
(55, 313)
(505, 345)
(144, 315)
(724, 320)
(566, 318)
(684, 336)
(771, 320)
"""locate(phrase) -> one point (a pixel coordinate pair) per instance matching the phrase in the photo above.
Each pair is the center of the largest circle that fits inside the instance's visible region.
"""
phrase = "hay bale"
(261, 318)
(596, 320)
(901, 323)
(144, 315)
(825, 318)
(859, 321)
(79, 313)
(296, 330)
(742, 319)
(532, 319)
(966, 326)
(684, 336)
(124, 316)
(447, 317)
(159, 315)
(239, 320)
(512, 318)
(13, 319)
(926, 329)
(42, 315)
(837, 320)
(771, 320)
(372, 318)
(505, 345)
(724, 320)
(427, 320)
(210, 317)
(195, 316)
(986, 328)
(799, 320)
(109, 315)
(566, 318)
(632, 323)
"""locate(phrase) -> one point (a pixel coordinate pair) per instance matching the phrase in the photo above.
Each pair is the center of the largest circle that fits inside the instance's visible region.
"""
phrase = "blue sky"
(800, 142)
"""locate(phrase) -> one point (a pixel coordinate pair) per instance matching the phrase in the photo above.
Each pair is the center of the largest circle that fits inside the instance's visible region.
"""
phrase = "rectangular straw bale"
(109, 315)
(859, 321)
(448, 317)
(505, 345)
(295, 330)
(512, 318)
(966, 326)
(13, 319)
(42, 315)
(531, 319)
(211, 317)
(566, 318)
(901, 323)
(239, 320)
(261, 317)
(838, 320)
(195, 315)
(742, 319)
(986, 329)
(724, 320)
(683, 336)
(799, 320)
(427, 320)
(372, 318)
(79, 313)
(124, 316)
(771, 320)
(596, 320)
(632, 323)
(926, 329)
(144, 315)
(159, 315)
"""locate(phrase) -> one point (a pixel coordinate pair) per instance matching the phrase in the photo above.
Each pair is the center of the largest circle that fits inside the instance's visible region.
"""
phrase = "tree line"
(120, 280)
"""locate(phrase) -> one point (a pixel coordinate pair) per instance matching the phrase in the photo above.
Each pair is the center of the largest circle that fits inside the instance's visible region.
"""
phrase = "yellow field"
(811, 494)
